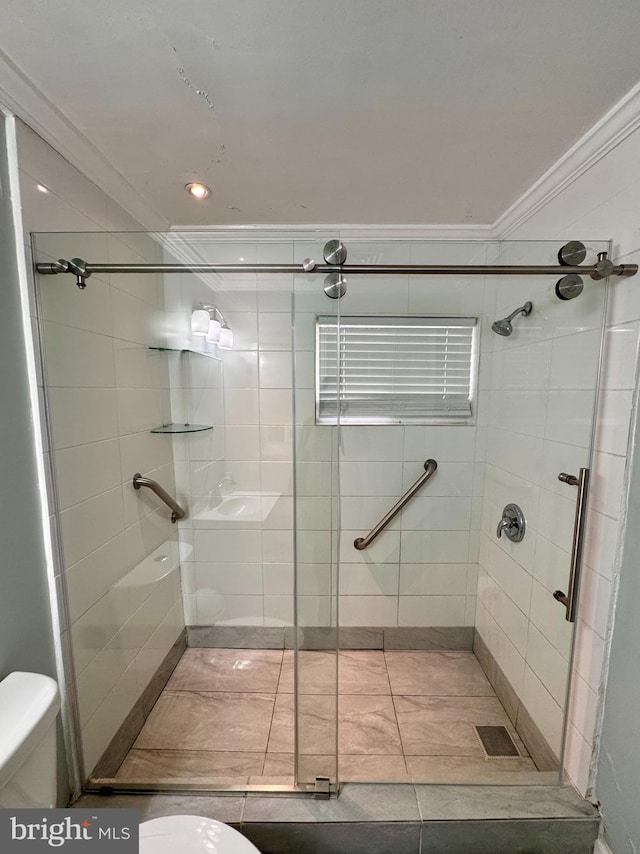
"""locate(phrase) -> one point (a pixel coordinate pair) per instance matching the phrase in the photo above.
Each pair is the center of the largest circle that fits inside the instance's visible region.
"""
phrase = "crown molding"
(21, 98)
(614, 127)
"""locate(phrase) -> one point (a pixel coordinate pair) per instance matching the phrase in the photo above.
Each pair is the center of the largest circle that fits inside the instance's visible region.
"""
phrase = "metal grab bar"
(176, 510)
(429, 468)
(570, 598)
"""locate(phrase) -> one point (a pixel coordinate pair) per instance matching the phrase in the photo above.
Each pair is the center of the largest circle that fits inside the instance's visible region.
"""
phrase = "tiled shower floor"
(226, 717)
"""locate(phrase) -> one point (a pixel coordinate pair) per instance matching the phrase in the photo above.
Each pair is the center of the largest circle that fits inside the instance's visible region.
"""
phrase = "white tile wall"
(106, 390)
(255, 422)
(590, 207)
(541, 386)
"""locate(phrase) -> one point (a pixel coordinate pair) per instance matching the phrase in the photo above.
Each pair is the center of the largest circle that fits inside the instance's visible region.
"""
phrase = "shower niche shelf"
(176, 427)
(182, 428)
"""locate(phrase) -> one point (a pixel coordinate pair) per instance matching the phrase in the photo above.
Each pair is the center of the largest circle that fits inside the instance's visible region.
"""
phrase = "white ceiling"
(359, 111)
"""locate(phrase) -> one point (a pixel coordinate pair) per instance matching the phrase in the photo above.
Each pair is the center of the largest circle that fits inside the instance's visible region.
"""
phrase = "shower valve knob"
(512, 524)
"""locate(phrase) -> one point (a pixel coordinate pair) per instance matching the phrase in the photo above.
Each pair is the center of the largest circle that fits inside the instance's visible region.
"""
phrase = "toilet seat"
(191, 834)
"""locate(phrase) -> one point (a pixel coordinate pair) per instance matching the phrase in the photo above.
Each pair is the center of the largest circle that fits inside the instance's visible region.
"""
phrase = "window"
(394, 369)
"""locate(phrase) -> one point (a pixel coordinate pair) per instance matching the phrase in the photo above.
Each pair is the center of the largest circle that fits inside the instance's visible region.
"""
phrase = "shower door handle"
(570, 598)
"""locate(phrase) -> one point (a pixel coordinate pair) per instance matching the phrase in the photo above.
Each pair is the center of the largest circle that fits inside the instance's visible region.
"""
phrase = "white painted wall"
(602, 202)
(106, 391)
(26, 631)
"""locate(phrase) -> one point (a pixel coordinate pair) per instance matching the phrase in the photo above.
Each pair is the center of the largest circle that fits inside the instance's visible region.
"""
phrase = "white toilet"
(191, 834)
(29, 705)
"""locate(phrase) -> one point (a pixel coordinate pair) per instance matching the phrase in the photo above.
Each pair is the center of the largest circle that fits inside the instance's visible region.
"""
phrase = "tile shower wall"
(422, 570)
(540, 402)
(105, 391)
(604, 200)
(239, 567)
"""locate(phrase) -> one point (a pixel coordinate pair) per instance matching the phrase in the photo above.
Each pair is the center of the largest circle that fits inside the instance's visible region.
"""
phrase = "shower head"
(504, 326)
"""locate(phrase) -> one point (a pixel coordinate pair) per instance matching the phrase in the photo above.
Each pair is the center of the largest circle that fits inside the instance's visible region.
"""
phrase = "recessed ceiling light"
(41, 188)
(200, 191)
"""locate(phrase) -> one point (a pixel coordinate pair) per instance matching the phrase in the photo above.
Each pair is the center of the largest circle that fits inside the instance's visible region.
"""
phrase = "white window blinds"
(381, 370)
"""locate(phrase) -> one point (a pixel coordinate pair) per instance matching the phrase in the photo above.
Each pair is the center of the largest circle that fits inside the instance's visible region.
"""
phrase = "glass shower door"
(317, 544)
(453, 655)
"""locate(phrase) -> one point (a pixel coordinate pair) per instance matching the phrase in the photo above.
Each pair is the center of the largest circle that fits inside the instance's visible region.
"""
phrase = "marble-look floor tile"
(368, 725)
(311, 766)
(359, 672)
(226, 808)
(141, 766)
(188, 720)
(363, 672)
(446, 803)
(227, 670)
(472, 770)
(316, 724)
(437, 674)
(316, 672)
(425, 735)
(279, 764)
(439, 726)
(355, 768)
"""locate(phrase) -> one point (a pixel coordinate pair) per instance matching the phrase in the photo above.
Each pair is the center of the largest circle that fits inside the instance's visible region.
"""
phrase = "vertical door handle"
(570, 598)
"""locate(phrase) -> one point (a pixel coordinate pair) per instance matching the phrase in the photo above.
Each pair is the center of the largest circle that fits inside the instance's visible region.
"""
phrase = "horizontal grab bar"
(429, 468)
(176, 510)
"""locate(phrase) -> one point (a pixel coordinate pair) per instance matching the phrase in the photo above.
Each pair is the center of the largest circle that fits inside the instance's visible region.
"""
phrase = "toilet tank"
(29, 704)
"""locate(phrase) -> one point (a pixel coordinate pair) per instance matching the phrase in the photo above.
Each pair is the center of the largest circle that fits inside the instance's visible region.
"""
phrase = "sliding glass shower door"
(438, 652)
(317, 534)
(307, 634)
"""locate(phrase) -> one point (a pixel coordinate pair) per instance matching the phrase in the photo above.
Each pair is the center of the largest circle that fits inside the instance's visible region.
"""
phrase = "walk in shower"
(291, 631)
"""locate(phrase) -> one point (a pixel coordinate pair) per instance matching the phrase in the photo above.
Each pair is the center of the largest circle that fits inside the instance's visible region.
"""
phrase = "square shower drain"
(496, 741)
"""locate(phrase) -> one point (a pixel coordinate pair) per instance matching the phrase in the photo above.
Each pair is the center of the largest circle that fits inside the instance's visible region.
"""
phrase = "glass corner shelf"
(183, 350)
(182, 428)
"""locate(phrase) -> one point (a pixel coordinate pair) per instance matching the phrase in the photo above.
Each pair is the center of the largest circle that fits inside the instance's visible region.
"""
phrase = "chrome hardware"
(513, 524)
(570, 599)
(569, 287)
(49, 269)
(429, 468)
(308, 265)
(504, 326)
(572, 253)
(322, 790)
(335, 252)
(571, 479)
(335, 285)
(79, 269)
(603, 268)
(176, 510)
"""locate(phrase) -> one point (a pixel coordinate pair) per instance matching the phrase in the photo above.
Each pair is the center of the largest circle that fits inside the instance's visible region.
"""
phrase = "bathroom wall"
(422, 571)
(26, 635)
(237, 570)
(605, 200)
(541, 399)
(105, 391)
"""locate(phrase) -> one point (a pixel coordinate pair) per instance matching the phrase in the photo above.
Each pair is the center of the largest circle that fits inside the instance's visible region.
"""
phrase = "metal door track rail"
(429, 468)
(82, 269)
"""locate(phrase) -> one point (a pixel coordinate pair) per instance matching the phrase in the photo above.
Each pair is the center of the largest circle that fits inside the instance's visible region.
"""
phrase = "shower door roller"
(512, 524)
